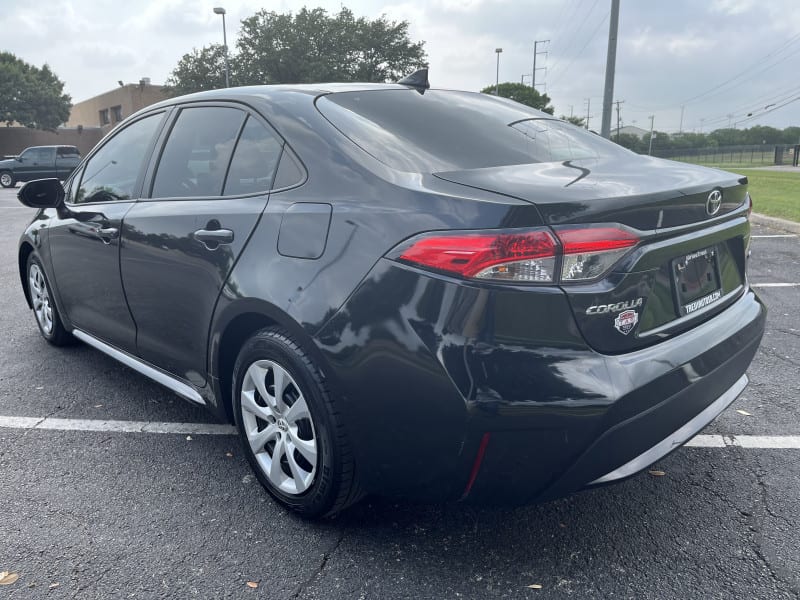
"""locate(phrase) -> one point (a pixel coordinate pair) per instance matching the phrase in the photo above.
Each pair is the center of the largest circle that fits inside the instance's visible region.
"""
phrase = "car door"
(208, 190)
(85, 238)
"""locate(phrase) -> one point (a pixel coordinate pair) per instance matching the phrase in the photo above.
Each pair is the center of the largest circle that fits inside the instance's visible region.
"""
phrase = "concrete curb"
(775, 223)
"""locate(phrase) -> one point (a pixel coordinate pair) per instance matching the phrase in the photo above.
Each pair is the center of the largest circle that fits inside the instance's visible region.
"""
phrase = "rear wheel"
(44, 308)
(291, 432)
(7, 179)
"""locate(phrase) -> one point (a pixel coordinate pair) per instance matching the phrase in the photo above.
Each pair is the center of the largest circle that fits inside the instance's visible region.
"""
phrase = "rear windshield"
(448, 131)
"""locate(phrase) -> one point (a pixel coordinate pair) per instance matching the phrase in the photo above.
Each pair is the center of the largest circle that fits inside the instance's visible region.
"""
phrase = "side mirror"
(20, 159)
(42, 193)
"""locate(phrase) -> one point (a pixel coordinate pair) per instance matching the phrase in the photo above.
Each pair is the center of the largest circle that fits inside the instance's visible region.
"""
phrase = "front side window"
(254, 160)
(197, 153)
(111, 174)
(37, 156)
(446, 131)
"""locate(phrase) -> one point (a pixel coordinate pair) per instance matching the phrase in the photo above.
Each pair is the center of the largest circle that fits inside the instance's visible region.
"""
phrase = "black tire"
(7, 179)
(55, 333)
(333, 486)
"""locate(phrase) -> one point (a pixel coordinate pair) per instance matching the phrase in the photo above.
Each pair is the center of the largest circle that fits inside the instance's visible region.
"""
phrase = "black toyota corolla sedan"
(405, 291)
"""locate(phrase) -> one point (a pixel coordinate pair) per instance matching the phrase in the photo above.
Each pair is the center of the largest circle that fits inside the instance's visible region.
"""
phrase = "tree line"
(669, 143)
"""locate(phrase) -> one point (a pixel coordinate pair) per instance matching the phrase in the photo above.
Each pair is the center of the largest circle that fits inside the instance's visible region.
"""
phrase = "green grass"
(774, 193)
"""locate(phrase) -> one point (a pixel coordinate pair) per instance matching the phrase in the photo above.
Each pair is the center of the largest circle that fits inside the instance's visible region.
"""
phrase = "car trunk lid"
(688, 264)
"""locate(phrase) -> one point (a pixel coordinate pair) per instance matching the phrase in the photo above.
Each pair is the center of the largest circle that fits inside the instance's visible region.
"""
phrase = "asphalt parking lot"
(118, 514)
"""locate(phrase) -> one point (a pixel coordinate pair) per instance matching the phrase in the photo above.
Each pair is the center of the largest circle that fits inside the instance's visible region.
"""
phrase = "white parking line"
(769, 285)
(746, 441)
(54, 424)
(51, 423)
(777, 235)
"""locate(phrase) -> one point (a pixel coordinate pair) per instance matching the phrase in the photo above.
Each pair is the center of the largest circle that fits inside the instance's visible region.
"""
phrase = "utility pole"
(611, 62)
(701, 125)
(535, 54)
(680, 127)
(650, 149)
(570, 111)
(730, 118)
(588, 107)
(618, 102)
(497, 78)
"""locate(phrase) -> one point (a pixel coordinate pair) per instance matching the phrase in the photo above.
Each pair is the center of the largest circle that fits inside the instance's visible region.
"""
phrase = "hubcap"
(5, 179)
(41, 299)
(279, 427)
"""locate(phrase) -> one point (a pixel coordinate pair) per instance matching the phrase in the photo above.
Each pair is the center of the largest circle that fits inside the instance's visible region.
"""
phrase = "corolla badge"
(626, 321)
(714, 202)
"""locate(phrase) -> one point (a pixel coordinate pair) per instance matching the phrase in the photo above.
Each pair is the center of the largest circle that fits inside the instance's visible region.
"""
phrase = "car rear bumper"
(675, 390)
(490, 393)
(676, 438)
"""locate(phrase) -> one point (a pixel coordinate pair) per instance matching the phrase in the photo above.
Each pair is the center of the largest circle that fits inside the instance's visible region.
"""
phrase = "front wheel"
(7, 179)
(291, 432)
(44, 308)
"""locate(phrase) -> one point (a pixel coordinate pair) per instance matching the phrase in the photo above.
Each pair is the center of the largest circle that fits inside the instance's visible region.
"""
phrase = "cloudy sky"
(719, 59)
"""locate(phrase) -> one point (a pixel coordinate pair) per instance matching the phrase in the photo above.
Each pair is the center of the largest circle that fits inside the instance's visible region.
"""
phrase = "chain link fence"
(758, 155)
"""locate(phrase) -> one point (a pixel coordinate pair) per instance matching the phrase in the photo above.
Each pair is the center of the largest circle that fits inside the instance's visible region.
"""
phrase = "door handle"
(108, 233)
(212, 238)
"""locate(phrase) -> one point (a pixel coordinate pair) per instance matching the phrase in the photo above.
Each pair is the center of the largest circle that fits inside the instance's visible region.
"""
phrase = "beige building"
(108, 109)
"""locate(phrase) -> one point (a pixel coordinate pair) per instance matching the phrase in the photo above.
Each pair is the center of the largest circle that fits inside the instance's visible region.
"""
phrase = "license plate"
(697, 280)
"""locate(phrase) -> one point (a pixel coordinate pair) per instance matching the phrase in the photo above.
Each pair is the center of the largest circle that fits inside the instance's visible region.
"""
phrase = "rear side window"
(445, 131)
(254, 160)
(68, 152)
(197, 152)
(111, 174)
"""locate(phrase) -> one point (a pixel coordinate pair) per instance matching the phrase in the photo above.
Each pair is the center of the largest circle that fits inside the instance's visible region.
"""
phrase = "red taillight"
(591, 251)
(595, 239)
(518, 256)
(522, 255)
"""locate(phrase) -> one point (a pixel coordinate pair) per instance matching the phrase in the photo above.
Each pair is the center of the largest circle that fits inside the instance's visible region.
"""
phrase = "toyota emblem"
(714, 202)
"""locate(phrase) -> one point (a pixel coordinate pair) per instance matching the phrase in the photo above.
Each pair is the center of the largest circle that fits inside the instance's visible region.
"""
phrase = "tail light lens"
(521, 256)
(590, 252)
(518, 256)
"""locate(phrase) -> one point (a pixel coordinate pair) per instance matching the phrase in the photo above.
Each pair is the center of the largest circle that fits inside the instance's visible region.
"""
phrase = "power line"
(766, 100)
(769, 111)
(568, 44)
(745, 71)
(580, 52)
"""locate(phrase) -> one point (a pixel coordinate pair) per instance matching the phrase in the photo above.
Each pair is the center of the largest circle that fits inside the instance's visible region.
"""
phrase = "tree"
(523, 94)
(198, 70)
(629, 141)
(575, 120)
(306, 47)
(31, 96)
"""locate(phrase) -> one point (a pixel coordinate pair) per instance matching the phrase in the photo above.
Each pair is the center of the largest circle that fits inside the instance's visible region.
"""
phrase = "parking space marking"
(777, 235)
(773, 285)
(56, 424)
(782, 442)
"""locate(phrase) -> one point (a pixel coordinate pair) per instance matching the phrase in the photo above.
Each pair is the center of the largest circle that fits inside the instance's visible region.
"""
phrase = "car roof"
(278, 92)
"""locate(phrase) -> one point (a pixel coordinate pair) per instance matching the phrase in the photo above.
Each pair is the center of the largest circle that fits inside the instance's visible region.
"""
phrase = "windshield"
(446, 131)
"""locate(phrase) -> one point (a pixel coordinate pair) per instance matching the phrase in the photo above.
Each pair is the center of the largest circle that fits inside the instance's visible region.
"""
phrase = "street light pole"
(497, 77)
(221, 11)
